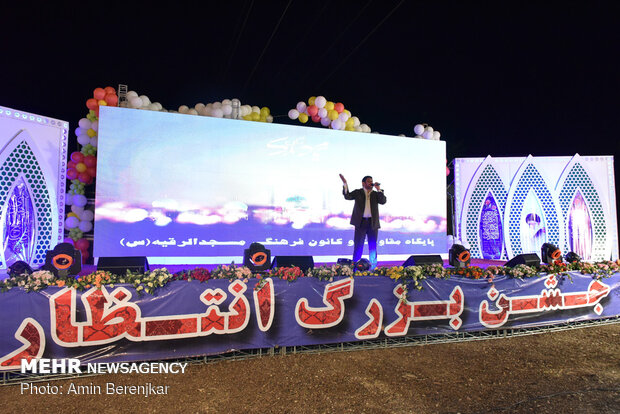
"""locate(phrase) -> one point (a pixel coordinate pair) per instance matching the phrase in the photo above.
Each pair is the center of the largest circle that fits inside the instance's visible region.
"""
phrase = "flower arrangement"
(411, 276)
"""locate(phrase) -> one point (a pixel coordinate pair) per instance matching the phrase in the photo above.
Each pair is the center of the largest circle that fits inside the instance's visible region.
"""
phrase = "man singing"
(365, 216)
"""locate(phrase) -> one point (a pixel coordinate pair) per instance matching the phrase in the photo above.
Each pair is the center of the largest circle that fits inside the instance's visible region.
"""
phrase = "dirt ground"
(575, 371)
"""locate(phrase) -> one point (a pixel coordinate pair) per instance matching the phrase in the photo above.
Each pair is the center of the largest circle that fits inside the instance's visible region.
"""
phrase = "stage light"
(19, 268)
(257, 258)
(459, 257)
(362, 265)
(572, 257)
(63, 261)
(549, 253)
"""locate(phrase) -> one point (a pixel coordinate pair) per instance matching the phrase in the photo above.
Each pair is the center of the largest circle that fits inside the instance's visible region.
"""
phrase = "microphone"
(375, 184)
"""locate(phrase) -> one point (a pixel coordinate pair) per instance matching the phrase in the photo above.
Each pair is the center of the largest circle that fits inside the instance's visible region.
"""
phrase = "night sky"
(498, 78)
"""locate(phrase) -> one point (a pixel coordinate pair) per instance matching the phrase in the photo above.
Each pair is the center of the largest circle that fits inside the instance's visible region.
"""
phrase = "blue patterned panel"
(491, 229)
(21, 168)
(578, 181)
(532, 181)
(19, 225)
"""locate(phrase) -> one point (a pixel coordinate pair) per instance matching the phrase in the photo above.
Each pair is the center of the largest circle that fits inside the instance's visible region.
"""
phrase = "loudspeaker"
(530, 259)
(303, 262)
(120, 265)
(423, 259)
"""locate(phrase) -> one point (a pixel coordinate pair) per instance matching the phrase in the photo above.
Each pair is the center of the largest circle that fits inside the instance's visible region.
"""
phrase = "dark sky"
(500, 77)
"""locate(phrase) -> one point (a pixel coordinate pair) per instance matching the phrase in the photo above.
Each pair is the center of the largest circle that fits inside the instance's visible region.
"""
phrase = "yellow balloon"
(72, 214)
(102, 103)
(348, 112)
(329, 105)
(264, 112)
(349, 122)
(349, 128)
(303, 118)
(80, 167)
(91, 132)
(333, 114)
(255, 116)
(247, 117)
(311, 101)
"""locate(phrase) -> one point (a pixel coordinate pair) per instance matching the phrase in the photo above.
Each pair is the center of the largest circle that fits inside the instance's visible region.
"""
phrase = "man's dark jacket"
(359, 195)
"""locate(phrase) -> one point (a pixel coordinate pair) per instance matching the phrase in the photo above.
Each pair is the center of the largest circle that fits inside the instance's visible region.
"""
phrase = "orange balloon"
(81, 167)
(111, 99)
(98, 93)
(92, 104)
(109, 89)
(339, 107)
(316, 118)
(313, 110)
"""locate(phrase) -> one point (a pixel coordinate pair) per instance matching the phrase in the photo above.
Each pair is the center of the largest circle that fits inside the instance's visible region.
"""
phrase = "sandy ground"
(575, 371)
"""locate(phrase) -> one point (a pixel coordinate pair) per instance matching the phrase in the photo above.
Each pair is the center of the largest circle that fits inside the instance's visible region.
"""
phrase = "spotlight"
(549, 253)
(572, 257)
(63, 261)
(459, 257)
(19, 268)
(362, 265)
(257, 258)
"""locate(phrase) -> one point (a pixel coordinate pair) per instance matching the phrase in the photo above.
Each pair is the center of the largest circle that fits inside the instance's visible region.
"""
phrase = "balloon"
(255, 116)
(92, 171)
(265, 111)
(80, 167)
(301, 107)
(84, 124)
(316, 118)
(91, 104)
(94, 126)
(339, 107)
(85, 178)
(427, 134)
(343, 116)
(110, 89)
(227, 109)
(217, 112)
(320, 101)
(82, 244)
(72, 173)
(76, 211)
(436, 135)
(447, 171)
(136, 102)
(72, 222)
(332, 115)
(72, 214)
(101, 102)
(418, 129)
(311, 100)
(325, 121)
(87, 215)
(85, 226)
(329, 105)
(79, 200)
(90, 160)
(68, 199)
(68, 240)
(85, 255)
(83, 139)
(191, 111)
(313, 110)
(303, 118)
(77, 156)
(337, 124)
(293, 114)
(322, 112)
(132, 94)
(94, 141)
(429, 129)
(356, 121)
(91, 133)
(145, 100)
(111, 99)
(98, 93)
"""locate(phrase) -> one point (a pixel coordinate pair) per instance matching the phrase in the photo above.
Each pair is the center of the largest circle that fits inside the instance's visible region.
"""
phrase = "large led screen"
(191, 189)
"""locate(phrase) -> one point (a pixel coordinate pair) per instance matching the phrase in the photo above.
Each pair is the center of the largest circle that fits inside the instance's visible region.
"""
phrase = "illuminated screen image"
(202, 189)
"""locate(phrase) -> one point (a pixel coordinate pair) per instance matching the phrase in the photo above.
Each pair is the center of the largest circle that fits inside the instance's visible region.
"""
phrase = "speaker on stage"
(423, 259)
(530, 259)
(303, 262)
(120, 265)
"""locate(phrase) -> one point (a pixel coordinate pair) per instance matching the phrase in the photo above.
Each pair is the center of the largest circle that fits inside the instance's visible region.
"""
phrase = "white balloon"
(323, 113)
(79, 200)
(84, 123)
(344, 117)
(293, 114)
(325, 121)
(183, 109)
(227, 108)
(94, 141)
(217, 104)
(145, 100)
(358, 128)
(320, 101)
(269, 118)
(418, 129)
(436, 135)
(87, 215)
(77, 210)
(226, 102)
(246, 110)
(356, 121)
(132, 94)
(94, 126)
(83, 139)
(337, 124)
(152, 107)
(217, 112)
(72, 222)
(301, 107)
(199, 107)
(68, 199)
(429, 129)
(159, 107)
(192, 111)
(135, 102)
(256, 109)
(85, 226)
(427, 135)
